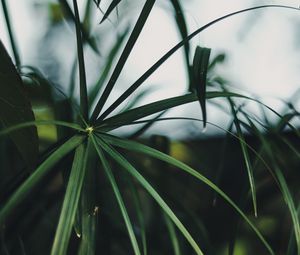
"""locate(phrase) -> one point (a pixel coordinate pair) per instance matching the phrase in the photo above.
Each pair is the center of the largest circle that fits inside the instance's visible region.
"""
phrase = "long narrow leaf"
(283, 185)
(137, 147)
(124, 56)
(155, 66)
(173, 235)
(20, 194)
(82, 76)
(8, 130)
(71, 199)
(156, 107)
(245, 155)
(126, 165)
(119, 198)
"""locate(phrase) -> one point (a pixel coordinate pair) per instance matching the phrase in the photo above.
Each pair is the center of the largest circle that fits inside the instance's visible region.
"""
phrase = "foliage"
(60, 200)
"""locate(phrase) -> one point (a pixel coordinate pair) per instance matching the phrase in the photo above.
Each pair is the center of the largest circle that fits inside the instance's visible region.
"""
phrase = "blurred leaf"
(111, 7)
(286, 193)
(216, 60)
(26, 187)
(173, 235)
(69, 15)
(71, 199)
(15, 108)
(200, 67)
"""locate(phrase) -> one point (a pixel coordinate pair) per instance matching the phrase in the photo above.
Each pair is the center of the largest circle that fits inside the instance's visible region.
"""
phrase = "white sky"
(262, 47)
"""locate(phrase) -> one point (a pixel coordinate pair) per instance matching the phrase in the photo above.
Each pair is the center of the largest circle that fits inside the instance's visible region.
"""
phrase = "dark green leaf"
(137, 147)
(111, 7)
(118, 196)
(15, 108)
(71, 199)
(143, 111)
(200, 67)
(155, 66)
(82, 75)
(124, 56)
(25, 188)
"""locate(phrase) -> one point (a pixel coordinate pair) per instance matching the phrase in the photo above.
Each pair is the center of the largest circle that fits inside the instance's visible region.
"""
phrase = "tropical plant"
(88, 156)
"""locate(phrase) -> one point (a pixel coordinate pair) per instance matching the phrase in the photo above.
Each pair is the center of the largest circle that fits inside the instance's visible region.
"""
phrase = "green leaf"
(200, 67)
(126, 165)
(82, 75)
(172, 234)
(87, 213)
(143, 111)
(40, 123)
(15, 108)
(165, 57)
(245, 155)
(181, 25)
(71, 199)
(124, 56)
(137, 147)
(282, 184)
(118, 195)
(111, 7)
(27, 186)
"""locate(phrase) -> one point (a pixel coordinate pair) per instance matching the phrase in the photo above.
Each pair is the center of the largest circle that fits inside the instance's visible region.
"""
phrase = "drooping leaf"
(138, 147)
(144, 183)
(15, 108)
(111, 7)
(200, 67)
(24, 189)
